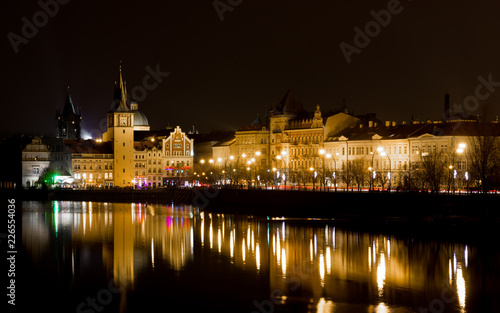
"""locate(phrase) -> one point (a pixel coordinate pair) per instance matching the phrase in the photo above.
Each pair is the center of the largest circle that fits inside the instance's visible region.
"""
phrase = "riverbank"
(470, 217)
(415, 206)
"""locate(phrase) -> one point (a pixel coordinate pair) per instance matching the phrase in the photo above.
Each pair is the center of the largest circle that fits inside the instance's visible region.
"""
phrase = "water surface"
(110, 257)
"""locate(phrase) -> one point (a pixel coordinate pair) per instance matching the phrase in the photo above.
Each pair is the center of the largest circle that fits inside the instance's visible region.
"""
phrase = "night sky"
(222, 73)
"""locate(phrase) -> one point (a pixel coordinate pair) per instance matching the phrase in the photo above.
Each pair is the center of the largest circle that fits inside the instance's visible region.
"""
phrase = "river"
(115, 257)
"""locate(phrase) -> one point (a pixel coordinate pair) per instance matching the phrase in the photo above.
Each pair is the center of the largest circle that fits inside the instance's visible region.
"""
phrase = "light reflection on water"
(313, 264)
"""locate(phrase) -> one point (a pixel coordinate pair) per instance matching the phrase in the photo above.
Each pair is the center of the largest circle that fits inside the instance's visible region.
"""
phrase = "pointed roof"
(69, 108)
(287, 105)
(120, 95)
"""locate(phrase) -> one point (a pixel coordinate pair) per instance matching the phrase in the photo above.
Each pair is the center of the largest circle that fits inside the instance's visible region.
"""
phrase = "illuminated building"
(35, 160)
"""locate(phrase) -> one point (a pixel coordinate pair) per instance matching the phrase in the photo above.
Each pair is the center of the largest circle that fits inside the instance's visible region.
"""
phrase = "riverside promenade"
(471, 216)
(294, 203)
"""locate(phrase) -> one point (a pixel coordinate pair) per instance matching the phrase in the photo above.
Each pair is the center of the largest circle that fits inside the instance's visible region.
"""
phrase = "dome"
(140, 119)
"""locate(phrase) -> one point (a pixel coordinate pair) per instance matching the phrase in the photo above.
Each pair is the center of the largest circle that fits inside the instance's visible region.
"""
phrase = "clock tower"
(120, 132)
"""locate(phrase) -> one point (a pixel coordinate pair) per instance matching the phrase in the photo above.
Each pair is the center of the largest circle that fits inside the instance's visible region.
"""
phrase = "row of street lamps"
(325, 156)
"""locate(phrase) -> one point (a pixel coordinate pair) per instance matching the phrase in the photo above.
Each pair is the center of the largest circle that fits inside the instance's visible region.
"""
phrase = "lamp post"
(335, 171)
(314, 174)
(325, 156)
(284, 176)
(460, 150)
(225, 167)
(383, 154)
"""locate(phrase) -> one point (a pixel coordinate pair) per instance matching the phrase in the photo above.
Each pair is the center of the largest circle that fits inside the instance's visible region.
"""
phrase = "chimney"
(370, 124)
(387, 123)
(393, 123)
(446, 113)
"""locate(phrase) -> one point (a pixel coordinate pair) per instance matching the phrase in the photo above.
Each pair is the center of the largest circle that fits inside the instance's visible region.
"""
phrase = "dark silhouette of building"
(69, 121)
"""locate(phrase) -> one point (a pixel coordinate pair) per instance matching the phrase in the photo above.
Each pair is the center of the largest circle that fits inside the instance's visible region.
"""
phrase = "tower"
(120, 132)
(69, 122)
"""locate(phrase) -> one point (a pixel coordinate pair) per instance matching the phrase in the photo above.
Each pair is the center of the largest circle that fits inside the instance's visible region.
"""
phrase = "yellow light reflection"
(219, 240)
(231, 244)
(388, 249)
(243, 250)
(370, 258)
(322, 269)
(328, 261)
(257, 256)
(325, 306)
(460, 286)
(381, 274)
(278, 249)
(311, 249)
(450, 275)
(381, 308)
(211, 238)
(283, 262)
(202, 232)
(152, 254)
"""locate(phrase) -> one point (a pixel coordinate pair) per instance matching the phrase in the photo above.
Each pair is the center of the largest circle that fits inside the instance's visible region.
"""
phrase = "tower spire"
(68, 105)
(122, 96)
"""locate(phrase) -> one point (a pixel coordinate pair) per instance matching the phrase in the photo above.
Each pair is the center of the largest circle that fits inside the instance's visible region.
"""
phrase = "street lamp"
(460, 150)
(314, 175)
(283, 154)
(383, 154)
(323, 153)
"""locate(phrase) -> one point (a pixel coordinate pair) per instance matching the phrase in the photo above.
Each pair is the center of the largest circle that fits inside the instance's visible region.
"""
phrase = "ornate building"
(35, 160)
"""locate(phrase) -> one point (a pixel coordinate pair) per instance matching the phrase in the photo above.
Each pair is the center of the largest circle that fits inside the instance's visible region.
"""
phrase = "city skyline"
(217, 66)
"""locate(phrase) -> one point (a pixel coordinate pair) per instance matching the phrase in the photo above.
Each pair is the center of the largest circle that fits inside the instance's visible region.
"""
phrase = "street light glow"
(321, 151)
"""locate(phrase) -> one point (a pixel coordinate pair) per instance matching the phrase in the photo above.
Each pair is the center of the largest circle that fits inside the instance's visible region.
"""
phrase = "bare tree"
(359, 172)
(346, 174)
(483, 160)
(382, 178)
(433, 166)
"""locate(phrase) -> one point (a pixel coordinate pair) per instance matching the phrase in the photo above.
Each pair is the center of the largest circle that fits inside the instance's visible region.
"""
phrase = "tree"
(433, 167)
(346, 174)
(358, 172)
(484, 160)
(382, 177)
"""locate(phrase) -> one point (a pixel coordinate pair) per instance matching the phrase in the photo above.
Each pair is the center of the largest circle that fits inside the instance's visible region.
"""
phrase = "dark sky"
(224, 73)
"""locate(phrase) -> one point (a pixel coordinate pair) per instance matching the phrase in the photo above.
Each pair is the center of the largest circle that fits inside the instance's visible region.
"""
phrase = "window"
(84, 175)
(124, 131)
(90, 176)
(124, 144)
(36, 170)
(124, 170)
(124, 157)
(105, 175)
(110, 175)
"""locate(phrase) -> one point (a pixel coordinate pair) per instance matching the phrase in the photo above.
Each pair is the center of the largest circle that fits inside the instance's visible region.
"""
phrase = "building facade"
(35, 161)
